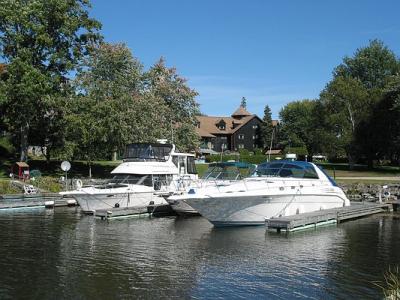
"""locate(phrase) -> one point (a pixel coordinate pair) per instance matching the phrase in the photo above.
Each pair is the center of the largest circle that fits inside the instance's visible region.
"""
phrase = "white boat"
(149, 173)
(276, 189)
(217, 173)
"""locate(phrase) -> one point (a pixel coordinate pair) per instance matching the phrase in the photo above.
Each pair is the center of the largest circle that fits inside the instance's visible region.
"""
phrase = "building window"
(241, 146)
(223, 138)
(223, 146)
(222, 127)
(198, 124)
(255, 126)
(255, 136)
(241, 137)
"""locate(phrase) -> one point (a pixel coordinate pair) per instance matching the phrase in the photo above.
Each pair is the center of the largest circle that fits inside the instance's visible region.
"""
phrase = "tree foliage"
(107, 82)
(165, 83)
(371, 65)
(40, 41)
(297, 124)
(118, 104)
(178, 106)
(350, 100)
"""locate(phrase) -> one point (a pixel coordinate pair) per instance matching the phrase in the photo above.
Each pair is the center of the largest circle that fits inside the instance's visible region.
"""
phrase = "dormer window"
(198, 125)
(221, 125)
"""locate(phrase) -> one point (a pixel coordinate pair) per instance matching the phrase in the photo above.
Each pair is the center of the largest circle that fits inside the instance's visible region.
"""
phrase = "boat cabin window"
(175, 160)
(161, 180)
(182, 165)
(143, 151)
(191, 167)
(282, 169)
(124, 179)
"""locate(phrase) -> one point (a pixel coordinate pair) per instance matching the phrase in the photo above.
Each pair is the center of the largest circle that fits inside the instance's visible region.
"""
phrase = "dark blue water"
(61, 254)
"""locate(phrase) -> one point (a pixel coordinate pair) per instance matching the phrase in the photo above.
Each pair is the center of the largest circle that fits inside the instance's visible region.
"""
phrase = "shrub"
(7, 188)
(49, 184)
(217, 157)
(253, 159)
(244, 152)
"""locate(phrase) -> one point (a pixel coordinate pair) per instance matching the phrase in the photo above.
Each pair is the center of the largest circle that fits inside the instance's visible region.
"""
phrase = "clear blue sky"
(271, 52)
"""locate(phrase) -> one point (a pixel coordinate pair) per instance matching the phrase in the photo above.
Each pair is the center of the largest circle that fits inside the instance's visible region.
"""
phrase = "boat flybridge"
(149, 173)
(276, 189)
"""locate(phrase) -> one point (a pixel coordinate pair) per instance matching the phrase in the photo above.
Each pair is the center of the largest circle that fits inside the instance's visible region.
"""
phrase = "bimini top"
(296, 169)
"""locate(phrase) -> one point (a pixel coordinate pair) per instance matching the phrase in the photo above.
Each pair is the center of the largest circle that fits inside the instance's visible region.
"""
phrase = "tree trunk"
(351, 161)
(24, 142)
(114, 156)
(370, 162)
(47, 155)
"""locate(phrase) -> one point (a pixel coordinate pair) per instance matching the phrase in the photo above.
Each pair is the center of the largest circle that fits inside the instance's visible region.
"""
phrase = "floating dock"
(125, 212)
(155, 210)
(327, 216)
(48, 200)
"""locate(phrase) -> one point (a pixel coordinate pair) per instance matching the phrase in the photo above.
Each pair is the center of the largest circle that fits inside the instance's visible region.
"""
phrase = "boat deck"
(327, 216)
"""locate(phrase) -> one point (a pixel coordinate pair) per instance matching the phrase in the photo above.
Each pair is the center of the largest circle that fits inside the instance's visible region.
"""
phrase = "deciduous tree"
(165, 84)
(41, 41)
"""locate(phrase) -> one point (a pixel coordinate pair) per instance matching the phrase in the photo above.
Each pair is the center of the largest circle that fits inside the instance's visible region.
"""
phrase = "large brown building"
(239, 131)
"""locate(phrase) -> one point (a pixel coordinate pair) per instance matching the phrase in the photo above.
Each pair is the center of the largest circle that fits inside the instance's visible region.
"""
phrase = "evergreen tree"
(267, 128)
(243, 103)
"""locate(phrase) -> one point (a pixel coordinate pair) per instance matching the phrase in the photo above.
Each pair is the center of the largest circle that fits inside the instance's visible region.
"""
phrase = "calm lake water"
(61, 254)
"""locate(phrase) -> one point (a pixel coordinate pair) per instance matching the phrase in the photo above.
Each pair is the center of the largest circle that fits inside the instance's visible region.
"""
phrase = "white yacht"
(149, 173)
(276, 189)
(218, 173)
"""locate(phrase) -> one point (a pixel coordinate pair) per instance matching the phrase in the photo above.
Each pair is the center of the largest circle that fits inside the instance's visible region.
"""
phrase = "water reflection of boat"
(217, 173)
(149, 172)
(278, 189)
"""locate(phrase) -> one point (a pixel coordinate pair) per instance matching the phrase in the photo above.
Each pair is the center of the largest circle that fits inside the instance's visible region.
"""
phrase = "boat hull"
(255, 209)
(182, 208)
(89, 203)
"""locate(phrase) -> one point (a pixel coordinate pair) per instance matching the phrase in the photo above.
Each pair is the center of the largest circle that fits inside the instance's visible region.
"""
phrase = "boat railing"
(272, 183)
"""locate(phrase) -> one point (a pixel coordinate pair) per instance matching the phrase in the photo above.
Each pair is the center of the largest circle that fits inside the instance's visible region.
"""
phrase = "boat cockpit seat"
(285, 173)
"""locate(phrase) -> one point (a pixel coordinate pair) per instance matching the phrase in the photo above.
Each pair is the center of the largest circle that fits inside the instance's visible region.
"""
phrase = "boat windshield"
(287, 169)
(228, 171)
(122, 180)
(145, 152)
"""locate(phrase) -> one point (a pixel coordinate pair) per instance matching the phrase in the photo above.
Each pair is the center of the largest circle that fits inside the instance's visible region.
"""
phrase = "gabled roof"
(22, 164)
(208, 125)
(203, 133)
(241, 112)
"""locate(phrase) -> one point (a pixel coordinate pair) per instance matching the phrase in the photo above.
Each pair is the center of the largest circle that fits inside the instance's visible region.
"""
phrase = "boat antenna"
(172, 133)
